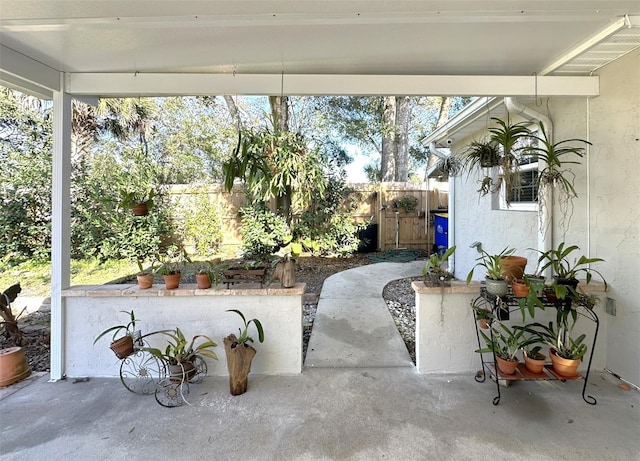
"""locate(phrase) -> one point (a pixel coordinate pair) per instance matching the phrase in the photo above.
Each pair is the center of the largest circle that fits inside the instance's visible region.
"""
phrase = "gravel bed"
(400, 299)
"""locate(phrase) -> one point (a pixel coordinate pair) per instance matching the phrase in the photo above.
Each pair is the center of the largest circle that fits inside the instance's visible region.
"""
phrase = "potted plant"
(203, 278)
(495, 280)
(145, 276)
(139, 202)
(240, 354)
(508, 136)
(434, 273)
(566, 269)
(504, 343)
(483, 316)
(409, 203)
(180, 355)
(484, 154)
(565, 351)
(284, 265)
(534, 360)
(554, 174)
(123, 346)
(171, 268)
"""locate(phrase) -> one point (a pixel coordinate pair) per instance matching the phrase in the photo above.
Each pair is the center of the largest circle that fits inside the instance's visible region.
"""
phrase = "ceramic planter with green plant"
(496, 283)
(566, 268)
(434, 274)
(240, 354)
(504, 343)
(123, 346)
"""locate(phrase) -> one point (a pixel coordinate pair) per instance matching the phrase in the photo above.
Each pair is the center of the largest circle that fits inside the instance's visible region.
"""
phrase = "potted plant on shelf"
(565, 351)
(496, 283)
(565, 269)
(123, 346)
(145, 276)
(534, 360)
(181, 355)
(504, 343)
(171, 268)
(483, 316)
(240, 354)
(434, 274)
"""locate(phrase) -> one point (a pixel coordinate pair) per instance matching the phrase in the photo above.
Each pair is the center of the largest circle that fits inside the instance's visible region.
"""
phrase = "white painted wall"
(605, 221)
(281, 318)
(446, 334)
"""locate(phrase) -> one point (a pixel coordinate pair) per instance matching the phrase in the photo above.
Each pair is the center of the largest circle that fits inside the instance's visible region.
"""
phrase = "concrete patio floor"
(332, 411)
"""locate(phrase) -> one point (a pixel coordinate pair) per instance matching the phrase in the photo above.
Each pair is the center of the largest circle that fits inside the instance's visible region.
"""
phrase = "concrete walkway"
(329, 412)
(353, 326)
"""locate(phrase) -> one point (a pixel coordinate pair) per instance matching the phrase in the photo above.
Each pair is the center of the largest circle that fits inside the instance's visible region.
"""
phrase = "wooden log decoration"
(285, 271)
(239, 357)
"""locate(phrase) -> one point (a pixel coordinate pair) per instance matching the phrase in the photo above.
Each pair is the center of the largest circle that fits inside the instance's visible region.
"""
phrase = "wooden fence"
(394, 228)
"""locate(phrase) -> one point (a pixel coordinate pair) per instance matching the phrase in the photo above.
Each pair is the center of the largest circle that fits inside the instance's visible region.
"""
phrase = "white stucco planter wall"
(88, 310)
(446, 337)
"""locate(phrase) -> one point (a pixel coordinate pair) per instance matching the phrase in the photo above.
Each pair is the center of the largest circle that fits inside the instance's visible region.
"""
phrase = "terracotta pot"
(513, 267)
(497, 287)
(520, 289)
(484, 323)
(562, 366)
(141, 209)
(145, 281)
(505, 366)
(122, 347)
(182, 372)
(203, 281)
(13, 366)
(172, 281)
(534, 365)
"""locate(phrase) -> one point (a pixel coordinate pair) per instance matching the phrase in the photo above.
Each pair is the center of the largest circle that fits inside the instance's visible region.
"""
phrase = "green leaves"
(244, 333)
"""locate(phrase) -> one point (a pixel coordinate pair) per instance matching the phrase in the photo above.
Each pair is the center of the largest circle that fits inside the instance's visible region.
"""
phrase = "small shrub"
(263, 232)
(202, 225)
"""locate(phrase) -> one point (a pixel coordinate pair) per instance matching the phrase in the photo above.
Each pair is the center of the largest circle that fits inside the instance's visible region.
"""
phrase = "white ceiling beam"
(161, 84)
(22, 71)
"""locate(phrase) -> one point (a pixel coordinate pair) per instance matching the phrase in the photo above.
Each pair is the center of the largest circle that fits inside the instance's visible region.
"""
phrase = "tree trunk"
(387, 160)
(445, 107)
(402, 138)
(280, 112)
(239, 357)
(233, 110)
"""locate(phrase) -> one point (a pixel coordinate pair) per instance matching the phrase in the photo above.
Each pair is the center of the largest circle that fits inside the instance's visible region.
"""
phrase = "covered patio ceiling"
(134, 47)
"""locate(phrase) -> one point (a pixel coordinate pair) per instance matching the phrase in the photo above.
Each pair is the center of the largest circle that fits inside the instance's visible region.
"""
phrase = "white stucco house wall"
(605, 221)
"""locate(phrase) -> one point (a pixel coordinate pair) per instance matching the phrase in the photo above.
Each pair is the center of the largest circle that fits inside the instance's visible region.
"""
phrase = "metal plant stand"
(501, 309)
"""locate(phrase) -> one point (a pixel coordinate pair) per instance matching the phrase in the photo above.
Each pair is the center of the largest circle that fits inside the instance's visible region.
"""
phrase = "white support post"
(61, 225)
